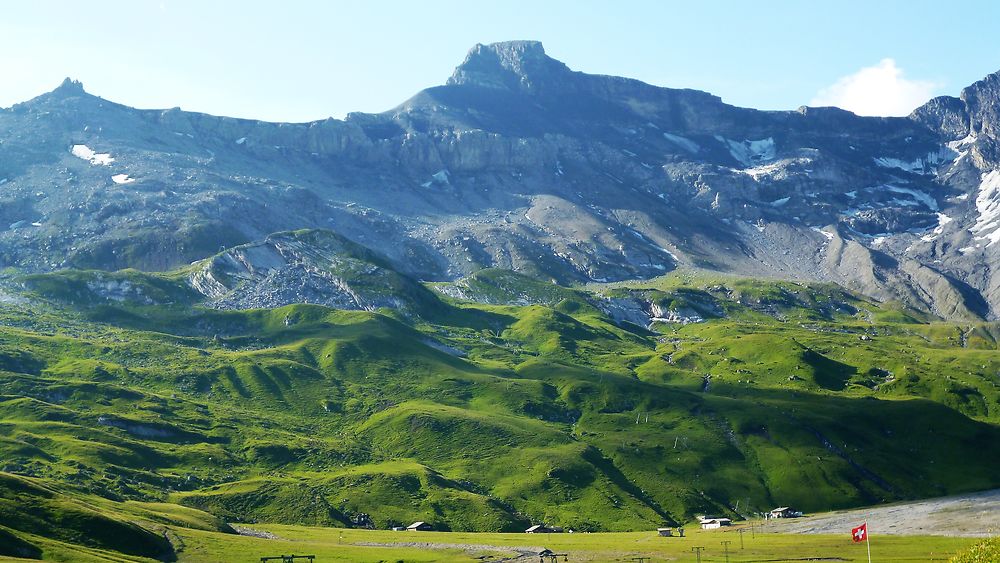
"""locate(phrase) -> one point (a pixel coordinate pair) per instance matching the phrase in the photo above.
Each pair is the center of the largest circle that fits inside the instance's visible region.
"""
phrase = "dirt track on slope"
(514, 553)
(971, 515)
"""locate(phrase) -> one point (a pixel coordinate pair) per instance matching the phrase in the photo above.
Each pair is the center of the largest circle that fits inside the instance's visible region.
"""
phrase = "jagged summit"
(975, 112)
(982, 102)
(508, 64)
(989, 83)
(69, 87)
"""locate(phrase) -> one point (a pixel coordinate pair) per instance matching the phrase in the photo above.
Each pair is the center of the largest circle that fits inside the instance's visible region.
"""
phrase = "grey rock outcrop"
(519, 162)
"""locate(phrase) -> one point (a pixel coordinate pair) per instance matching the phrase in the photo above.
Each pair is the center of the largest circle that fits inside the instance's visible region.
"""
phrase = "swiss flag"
(860, 533)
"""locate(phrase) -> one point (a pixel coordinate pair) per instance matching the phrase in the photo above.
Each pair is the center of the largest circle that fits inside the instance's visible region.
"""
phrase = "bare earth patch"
(971, 515)
(254, 533)
(511, 552)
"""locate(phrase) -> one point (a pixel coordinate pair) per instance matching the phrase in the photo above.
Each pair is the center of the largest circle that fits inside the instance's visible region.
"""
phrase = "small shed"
(419, 527)
(665, 532)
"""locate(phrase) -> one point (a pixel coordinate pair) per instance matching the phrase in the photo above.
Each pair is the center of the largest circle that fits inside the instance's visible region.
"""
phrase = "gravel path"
(972, 515)
(514, 552)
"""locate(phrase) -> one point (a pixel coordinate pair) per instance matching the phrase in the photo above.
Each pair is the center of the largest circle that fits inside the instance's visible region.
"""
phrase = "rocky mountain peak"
(990, 85)
(975, 112)
(944, 114)
(982, 101)
(515, 65)
(69, 87)
(69, 90)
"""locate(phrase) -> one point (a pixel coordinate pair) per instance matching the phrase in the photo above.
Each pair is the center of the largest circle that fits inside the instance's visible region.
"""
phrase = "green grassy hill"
(534, 404)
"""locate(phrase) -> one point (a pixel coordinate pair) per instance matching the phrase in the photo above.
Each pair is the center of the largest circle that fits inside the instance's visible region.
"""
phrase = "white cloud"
(877, 90)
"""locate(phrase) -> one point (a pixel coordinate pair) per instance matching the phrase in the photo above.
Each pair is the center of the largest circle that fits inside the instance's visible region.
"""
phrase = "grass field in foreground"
(336, 545)
(119, 418)
(330, 544)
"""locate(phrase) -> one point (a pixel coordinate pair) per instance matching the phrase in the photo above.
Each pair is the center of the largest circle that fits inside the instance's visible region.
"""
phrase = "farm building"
(670, 532)
(419, 527)
(784, 512)
(712, 523)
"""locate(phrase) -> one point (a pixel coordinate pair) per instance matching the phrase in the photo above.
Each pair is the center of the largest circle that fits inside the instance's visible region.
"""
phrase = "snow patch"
(958, 145)
(668, 253)
(768, 170)
(829, 236)
(923, 165)
(441, 176)
(987, 225)
(241, 140)
(122, 179)
(916, 166)
(959, 149)
(683, 142)
(918, 196)
(750, 152)
(942, 221)
(86, 153)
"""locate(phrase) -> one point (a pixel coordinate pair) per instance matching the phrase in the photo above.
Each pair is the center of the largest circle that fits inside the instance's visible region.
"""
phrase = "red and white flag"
(860, 533)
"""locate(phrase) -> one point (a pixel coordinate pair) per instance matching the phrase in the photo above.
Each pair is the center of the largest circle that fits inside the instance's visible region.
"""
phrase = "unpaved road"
(513, 553)
(972, 515)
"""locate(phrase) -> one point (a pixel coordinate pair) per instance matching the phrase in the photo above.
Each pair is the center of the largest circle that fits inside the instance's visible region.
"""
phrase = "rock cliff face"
(518, 162)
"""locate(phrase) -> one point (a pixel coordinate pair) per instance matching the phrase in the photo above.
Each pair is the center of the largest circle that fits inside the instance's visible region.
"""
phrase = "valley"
(520, 402)
(526, 296)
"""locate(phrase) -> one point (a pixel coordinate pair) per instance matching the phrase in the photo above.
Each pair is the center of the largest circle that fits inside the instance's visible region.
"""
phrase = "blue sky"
(297, 60)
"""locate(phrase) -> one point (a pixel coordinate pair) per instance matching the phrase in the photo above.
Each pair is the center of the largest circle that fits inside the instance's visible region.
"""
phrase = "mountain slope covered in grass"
(486, 404)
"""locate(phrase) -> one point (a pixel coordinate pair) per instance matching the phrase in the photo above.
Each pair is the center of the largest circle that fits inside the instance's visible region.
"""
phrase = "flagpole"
(868, 543)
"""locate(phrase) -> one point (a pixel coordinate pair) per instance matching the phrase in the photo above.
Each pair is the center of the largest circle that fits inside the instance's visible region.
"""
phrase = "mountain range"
(520, 163)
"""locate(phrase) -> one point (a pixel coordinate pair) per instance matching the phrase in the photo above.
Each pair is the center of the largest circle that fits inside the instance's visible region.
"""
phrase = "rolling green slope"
(537, 405)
